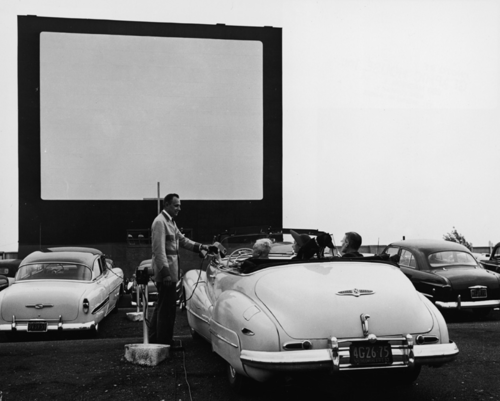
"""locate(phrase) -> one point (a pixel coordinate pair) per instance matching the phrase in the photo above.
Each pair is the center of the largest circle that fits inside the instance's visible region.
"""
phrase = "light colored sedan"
(67, 288)
(329, 315)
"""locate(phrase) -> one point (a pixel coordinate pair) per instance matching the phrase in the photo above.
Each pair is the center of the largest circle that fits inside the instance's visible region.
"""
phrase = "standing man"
(350, 245)
(166, 239)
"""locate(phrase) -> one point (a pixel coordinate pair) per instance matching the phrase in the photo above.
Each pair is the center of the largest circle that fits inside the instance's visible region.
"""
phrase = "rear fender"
(198, 303)
(237, 324)
(4, 282)
(439, 328)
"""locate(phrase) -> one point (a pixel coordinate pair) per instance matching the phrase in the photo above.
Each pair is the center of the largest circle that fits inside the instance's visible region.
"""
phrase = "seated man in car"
(350, 245)
(260, 250)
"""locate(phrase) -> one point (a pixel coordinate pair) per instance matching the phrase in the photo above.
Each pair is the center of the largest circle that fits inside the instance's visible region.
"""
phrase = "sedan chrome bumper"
(338, 360)
(492, 303)
(52, 325)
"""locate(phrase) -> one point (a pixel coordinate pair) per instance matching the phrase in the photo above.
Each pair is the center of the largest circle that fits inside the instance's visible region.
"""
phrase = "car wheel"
(483, 312)
(237, 381)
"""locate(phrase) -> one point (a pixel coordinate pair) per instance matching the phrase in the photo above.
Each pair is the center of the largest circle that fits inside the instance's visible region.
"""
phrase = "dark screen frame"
(64, 222)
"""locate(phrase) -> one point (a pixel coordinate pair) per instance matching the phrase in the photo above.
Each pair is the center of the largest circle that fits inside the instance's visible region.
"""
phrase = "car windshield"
(53, 271)
(235, 242)
(450, 259)
(281, 247)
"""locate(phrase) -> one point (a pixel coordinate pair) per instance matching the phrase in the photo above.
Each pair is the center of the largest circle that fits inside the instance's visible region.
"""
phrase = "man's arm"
(186, 243)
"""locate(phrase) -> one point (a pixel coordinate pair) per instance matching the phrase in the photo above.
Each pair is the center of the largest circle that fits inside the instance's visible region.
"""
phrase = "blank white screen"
(121, 113)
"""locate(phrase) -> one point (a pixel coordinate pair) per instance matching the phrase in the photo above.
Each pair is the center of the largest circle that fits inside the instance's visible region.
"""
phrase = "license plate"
(478, 293)
(37, 326)
(370, 354)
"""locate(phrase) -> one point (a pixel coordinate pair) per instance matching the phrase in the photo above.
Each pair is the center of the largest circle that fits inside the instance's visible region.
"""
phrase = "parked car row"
(380, 312)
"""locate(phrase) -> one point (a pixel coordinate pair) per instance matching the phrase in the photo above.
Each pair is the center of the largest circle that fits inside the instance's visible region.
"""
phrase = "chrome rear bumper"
(52, 325)
(338, 360)
(493, 303)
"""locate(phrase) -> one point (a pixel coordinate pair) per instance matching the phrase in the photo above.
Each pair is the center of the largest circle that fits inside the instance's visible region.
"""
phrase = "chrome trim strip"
(202, 318)
(469, 304)
(40, 306)
(219, 336)
(100, 306)
(223, 339)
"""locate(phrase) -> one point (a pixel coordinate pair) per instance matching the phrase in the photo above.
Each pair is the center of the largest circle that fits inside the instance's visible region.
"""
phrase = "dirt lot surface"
(73, 367)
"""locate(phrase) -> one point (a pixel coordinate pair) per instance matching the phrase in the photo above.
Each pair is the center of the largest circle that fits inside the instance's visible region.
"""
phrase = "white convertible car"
(326, 315)
(61, 289)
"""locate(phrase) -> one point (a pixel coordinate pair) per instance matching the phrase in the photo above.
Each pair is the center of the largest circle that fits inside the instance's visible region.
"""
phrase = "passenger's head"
(300, 240)
(261, 248)
(172, 204)
(351, 242)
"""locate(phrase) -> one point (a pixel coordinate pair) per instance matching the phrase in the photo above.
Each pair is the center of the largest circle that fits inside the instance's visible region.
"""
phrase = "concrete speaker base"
(146, 354)
(135, 316)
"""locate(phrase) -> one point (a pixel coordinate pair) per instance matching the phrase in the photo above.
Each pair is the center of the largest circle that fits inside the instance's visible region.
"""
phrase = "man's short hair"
(354, 240)
(168, 199)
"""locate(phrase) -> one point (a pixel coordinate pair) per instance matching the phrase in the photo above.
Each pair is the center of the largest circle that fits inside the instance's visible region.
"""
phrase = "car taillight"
(428, 339)
(86, 305)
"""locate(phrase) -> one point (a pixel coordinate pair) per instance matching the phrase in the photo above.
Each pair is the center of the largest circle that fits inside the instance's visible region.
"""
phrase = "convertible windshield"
(53, 271)
(450, 259)
(231, 243)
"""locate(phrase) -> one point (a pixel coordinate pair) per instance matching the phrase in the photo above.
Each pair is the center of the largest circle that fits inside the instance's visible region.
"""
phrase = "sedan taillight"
(86, 305)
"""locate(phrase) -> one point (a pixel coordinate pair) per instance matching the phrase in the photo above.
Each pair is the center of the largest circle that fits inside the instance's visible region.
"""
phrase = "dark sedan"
(493, 262)
(448, 274)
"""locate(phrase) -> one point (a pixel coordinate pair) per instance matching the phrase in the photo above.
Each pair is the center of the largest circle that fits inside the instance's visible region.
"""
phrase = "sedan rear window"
(53, 271)
(451, 259)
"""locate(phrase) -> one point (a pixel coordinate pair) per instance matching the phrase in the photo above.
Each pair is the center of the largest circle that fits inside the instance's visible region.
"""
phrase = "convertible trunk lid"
(42, 300)
(327, 299)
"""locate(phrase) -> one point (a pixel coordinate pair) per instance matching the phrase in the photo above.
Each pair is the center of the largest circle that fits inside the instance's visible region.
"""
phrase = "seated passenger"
(299, 241)
(350, 245)
(260, 250)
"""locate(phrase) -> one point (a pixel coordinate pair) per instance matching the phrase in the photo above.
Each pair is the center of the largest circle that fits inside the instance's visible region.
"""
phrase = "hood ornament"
(40, 306)
(355, 292)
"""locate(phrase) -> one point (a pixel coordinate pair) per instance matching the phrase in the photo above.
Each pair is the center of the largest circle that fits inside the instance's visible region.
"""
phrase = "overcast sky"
(390, 109)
